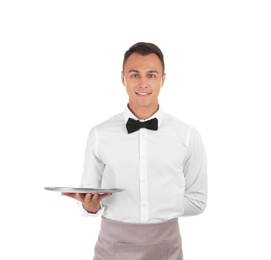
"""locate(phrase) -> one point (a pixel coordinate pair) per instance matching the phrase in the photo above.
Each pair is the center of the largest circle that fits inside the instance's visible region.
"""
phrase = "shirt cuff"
(88, 214)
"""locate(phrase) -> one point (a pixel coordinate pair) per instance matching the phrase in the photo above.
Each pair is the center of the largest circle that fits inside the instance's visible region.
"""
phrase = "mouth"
(143, 94)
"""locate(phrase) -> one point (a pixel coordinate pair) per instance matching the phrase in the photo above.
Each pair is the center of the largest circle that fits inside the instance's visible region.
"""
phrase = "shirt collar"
(127, 113)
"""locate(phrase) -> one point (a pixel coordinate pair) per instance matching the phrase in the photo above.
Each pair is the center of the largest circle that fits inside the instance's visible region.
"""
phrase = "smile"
(142, 93)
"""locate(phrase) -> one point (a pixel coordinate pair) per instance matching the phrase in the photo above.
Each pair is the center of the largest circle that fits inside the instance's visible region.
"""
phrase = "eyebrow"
(149, 71)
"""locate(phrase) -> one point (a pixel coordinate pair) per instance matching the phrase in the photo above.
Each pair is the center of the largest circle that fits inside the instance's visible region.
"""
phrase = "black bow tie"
(134, 125)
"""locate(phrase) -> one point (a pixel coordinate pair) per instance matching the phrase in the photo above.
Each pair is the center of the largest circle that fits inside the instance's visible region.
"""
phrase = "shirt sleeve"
(195, 173)
(93, 169)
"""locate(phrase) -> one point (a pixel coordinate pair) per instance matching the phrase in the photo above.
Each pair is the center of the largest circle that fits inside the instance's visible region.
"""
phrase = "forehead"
(142, 63)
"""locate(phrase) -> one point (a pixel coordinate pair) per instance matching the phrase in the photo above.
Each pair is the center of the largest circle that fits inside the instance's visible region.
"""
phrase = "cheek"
(129, 91)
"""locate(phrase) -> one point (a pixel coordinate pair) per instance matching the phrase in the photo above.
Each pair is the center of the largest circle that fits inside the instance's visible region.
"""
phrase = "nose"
(143, 83)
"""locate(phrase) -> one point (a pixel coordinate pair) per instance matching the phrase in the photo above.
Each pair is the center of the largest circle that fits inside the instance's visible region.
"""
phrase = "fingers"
(95, 198)
(87, 198)
(105, 195)
(77, 196)
(71, 195)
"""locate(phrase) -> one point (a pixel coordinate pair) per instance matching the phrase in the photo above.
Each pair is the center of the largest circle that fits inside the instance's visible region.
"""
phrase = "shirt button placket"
(144, 214)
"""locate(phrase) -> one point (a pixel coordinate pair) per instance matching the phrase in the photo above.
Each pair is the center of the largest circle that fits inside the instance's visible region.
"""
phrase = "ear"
(163, 80)
(123, 79)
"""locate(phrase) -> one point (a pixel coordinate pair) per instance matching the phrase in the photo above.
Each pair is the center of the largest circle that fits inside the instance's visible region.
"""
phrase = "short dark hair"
(144, 48)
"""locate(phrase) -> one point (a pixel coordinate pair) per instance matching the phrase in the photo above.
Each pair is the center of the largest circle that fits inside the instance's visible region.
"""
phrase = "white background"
(60, 65)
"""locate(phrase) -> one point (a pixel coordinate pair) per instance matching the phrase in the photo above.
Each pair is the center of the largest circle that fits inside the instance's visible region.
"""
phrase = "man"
(157, 159)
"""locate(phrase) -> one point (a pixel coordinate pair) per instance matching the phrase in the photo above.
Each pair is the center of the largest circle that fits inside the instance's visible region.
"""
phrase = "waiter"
(157, 159)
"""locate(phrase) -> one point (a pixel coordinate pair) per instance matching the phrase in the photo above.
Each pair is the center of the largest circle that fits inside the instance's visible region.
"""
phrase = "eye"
(152, 76)
(135, 75)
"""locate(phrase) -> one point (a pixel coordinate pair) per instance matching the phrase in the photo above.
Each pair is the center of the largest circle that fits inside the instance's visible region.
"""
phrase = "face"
(143, 79)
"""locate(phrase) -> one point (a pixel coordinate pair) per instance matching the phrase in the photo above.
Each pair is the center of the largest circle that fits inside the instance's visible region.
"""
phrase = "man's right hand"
(90, 201)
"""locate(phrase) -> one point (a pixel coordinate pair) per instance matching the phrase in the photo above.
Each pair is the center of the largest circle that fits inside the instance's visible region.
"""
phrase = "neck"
(143, 113)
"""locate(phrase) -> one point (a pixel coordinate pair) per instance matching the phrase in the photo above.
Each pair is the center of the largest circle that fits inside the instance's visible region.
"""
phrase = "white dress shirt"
(163, 172)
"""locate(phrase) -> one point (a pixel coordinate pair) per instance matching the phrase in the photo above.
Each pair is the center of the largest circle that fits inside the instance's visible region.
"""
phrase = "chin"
(144, 105)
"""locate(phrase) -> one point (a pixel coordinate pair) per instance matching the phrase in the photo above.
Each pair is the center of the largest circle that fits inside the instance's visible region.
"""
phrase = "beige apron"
(128, 241)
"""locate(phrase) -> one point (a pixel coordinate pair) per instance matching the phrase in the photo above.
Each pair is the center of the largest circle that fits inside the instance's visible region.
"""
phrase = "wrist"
(91, 209)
